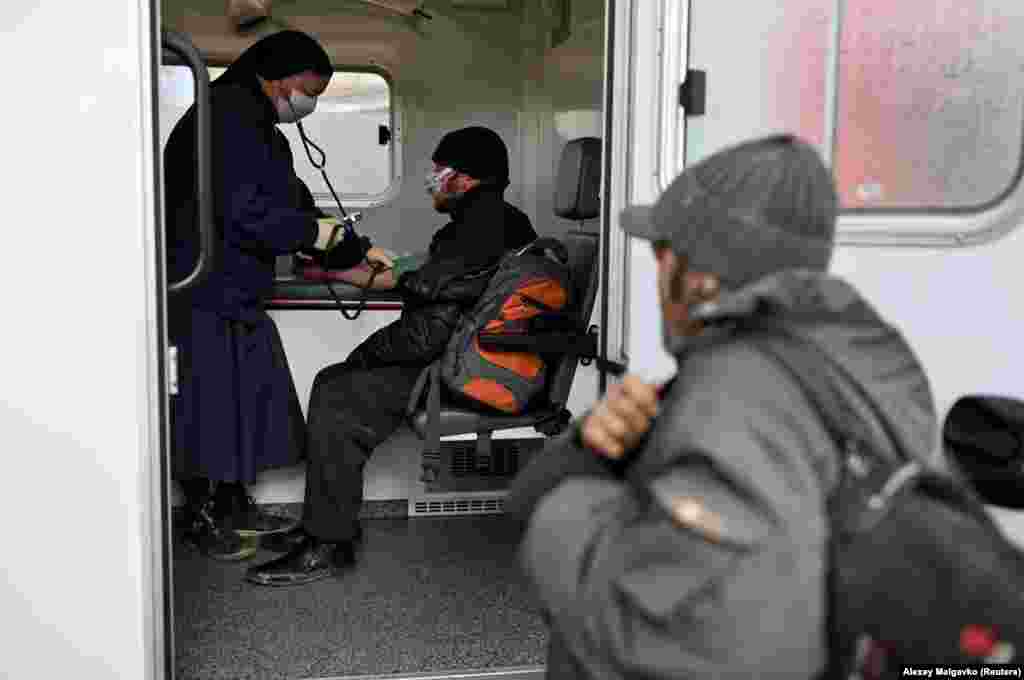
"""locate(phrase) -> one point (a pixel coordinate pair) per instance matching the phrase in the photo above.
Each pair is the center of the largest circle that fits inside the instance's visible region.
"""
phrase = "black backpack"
(984, 435)
(919, 573)
(527, 293)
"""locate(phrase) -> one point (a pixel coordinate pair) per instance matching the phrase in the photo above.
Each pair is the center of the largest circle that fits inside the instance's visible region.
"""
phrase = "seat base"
(456, 420)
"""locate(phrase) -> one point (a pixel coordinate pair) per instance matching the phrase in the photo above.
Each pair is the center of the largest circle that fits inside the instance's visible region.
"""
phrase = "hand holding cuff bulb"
(330, 233)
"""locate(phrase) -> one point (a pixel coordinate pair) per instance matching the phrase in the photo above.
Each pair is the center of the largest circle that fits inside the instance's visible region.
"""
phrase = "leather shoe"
(310, 560)
(288, 540)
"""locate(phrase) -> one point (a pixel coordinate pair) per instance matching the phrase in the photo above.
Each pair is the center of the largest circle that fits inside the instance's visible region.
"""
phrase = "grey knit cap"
(747, 211)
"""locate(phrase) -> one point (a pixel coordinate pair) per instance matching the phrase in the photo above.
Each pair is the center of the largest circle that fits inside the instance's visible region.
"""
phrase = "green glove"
(408, 263)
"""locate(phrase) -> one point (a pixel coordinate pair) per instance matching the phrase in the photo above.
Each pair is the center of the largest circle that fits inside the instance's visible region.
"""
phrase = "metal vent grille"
(502, 461)
(457, 505)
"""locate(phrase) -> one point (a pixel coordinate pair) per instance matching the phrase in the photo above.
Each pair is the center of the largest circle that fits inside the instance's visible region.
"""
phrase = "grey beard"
(674, 343)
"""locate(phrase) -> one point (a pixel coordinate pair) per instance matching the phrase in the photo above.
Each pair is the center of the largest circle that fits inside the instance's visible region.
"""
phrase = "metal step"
(516, 673)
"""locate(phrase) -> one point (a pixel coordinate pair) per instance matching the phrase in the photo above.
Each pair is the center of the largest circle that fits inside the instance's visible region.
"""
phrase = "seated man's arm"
(363, 277)
(412, 338)
(388, 270)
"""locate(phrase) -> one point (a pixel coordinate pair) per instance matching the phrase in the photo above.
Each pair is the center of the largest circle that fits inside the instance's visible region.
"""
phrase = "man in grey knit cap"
(679, 531)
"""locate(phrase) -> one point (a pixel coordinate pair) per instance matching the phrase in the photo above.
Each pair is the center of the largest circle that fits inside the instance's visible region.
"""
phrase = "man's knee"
(333, 384)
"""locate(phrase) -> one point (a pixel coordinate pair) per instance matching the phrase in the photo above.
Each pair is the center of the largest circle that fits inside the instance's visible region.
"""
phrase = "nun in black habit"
(237, 412)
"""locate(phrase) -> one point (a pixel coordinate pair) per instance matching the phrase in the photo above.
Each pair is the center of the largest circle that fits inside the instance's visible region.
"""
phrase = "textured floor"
(426, 595)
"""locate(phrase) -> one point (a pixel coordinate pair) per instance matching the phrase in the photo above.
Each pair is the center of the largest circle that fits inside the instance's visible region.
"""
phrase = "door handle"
(180, 45)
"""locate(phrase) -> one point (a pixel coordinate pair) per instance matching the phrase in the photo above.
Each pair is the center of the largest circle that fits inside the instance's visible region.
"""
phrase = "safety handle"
(180, 45)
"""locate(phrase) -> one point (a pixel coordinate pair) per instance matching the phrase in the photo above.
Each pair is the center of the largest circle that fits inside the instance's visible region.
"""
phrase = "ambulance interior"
(437, 587)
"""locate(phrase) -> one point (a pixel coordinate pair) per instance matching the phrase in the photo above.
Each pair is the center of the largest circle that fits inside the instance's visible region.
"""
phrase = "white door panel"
(777, 69)
(78, 416)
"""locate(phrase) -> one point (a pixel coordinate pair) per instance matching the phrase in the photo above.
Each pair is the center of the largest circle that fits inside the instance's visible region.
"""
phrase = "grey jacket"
(703, 556)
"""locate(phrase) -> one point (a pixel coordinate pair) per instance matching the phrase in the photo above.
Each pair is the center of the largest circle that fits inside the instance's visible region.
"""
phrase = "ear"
(667, 261)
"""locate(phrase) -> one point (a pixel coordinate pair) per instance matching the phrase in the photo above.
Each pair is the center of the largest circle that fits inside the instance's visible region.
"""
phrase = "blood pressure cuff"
(317, 264)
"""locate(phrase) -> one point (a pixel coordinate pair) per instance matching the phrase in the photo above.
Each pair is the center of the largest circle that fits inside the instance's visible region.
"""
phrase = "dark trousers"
(351, 411)
(560, 664)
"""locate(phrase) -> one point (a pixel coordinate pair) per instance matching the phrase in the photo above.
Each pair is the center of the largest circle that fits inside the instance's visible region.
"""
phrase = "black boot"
(212, 538)
(310, 560)
(198, 526)
(237, 510)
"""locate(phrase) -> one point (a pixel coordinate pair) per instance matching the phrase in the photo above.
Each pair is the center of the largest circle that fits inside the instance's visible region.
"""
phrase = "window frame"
(649, 138)
(664, 129)
(923, 227)
(323, 197)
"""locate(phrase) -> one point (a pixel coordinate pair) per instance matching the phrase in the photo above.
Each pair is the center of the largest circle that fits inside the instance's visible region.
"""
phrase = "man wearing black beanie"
(357, 404)
(477, 152)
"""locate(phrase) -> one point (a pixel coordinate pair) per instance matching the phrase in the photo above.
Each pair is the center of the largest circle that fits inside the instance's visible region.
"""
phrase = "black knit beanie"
(476, 151)
(278, 56)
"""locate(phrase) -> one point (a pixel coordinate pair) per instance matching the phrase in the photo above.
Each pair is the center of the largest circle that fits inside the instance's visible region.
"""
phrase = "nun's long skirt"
(236, 413)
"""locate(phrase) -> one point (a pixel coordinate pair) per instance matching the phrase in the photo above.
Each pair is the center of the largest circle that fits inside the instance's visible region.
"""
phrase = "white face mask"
(296, 107)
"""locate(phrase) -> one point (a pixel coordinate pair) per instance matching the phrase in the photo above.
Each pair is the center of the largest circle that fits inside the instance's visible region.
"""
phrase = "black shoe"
(286, 541)
(240, 513)
(283, 541)
(309, 561)
(213, 539)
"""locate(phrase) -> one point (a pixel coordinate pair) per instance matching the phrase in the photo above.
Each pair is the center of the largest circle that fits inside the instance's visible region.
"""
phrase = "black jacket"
(462, 256)
(261, 208)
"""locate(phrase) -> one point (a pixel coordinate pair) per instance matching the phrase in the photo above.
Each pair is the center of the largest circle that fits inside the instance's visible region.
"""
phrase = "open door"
(652, 99)
(82, 388)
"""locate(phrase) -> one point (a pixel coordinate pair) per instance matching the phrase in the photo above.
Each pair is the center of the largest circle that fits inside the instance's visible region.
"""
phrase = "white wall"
(76, 421)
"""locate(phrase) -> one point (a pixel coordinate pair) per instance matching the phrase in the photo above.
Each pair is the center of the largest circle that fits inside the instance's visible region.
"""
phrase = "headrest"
(578, 186)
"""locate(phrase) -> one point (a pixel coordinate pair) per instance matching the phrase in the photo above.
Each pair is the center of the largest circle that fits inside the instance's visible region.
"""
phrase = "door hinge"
(693, 93)
(172, 370)
(593, 356)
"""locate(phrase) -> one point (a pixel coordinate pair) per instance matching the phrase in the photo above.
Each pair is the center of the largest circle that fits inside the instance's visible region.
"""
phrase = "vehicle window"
(929, 111)
(347, 125)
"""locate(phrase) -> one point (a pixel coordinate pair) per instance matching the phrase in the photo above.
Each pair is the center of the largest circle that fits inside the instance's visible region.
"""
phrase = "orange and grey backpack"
(530, 291)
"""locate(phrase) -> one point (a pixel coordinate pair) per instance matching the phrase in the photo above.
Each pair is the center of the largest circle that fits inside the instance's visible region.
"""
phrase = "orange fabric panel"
(493, 393)
(546, 291)
(516, 308)
(522, 363)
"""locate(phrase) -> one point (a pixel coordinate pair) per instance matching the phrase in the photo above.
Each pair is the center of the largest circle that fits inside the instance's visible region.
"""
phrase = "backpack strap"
(807, 365)
(861, 466)
(553, 245)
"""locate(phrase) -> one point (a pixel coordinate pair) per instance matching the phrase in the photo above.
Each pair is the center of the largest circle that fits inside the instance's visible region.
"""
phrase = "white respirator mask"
(297, 106)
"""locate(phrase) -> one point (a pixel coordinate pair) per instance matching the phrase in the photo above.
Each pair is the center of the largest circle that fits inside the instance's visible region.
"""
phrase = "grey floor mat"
(436, 594)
